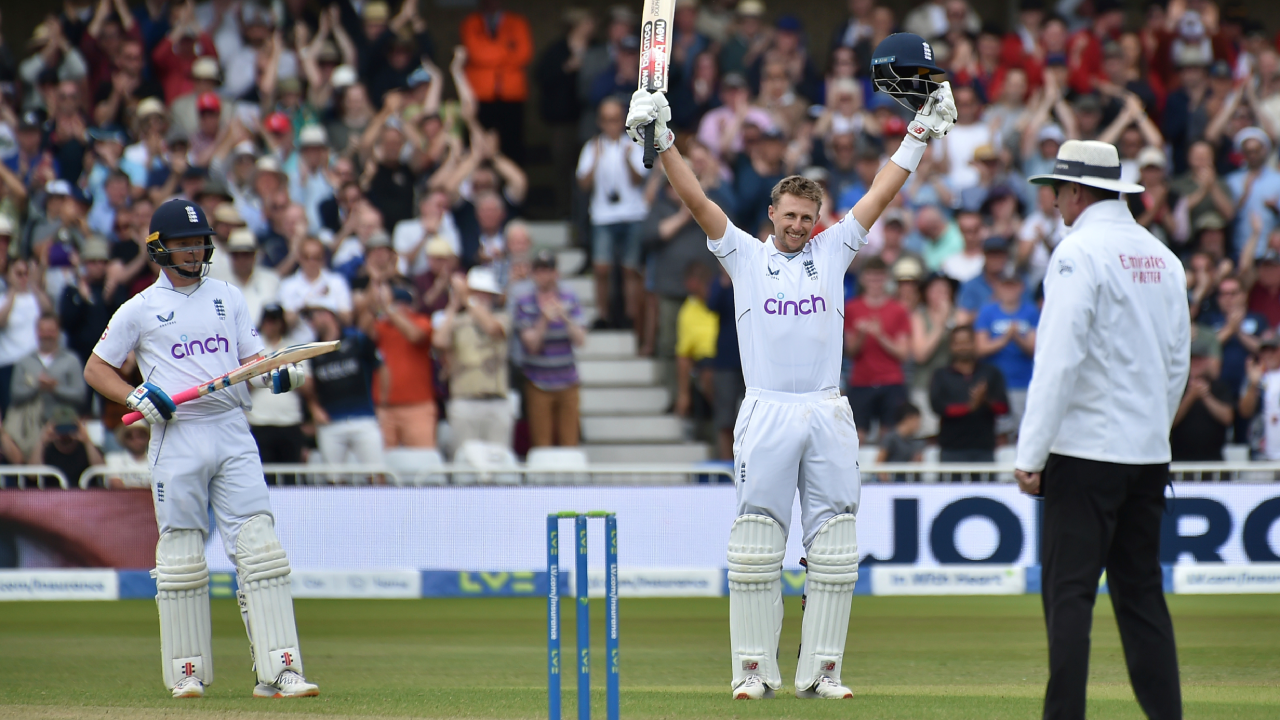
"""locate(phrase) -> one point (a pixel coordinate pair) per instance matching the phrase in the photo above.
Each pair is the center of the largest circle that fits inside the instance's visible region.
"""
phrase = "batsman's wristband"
(909, 153)
(663, 142)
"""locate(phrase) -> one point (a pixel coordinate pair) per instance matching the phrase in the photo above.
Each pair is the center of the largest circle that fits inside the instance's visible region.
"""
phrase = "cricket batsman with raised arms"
(186, 329)
(795, 430)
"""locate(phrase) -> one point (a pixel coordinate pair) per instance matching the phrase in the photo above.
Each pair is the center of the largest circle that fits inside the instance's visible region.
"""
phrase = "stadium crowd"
(361, 191)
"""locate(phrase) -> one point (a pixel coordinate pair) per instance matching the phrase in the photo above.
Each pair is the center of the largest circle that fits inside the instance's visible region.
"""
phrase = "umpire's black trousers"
(1105, 515)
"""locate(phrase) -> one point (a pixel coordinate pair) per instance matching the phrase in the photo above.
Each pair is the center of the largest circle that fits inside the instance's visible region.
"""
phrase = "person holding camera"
(64, 444)
(611, 168)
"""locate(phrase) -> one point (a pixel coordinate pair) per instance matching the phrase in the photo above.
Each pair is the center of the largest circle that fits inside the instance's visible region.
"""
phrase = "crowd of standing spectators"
(360, 191)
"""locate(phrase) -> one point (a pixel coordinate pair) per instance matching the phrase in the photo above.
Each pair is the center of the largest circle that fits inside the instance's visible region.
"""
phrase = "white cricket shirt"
(1112, 348)
(184, 340)
(790, 310)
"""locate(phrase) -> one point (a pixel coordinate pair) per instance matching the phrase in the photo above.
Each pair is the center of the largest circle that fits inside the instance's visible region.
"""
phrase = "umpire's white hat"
(1088, 162)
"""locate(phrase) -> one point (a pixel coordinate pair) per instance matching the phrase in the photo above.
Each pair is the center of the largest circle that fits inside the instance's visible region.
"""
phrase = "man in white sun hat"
(1112, 358)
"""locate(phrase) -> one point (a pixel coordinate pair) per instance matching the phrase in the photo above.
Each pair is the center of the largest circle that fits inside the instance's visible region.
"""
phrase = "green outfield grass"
(907, 658)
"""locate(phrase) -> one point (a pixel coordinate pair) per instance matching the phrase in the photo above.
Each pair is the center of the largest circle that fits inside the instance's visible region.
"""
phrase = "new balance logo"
(828, 666)
(750, 665)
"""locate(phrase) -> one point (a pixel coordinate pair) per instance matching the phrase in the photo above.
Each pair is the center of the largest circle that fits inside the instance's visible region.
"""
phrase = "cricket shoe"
(826, 689)
(189, 687)
(289, 685)
(753, 688)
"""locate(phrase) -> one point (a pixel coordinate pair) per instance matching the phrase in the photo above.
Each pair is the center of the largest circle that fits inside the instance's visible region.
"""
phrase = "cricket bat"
(655, 58)
(251, 369)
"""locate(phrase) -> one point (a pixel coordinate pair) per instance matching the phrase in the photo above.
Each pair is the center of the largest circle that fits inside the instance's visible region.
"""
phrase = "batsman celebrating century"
(186, 329)
(794, 430)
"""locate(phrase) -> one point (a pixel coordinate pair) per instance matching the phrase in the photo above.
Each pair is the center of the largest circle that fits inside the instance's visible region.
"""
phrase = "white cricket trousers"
(207, 462)
(488, 420)
(788, 441)
(361, 437)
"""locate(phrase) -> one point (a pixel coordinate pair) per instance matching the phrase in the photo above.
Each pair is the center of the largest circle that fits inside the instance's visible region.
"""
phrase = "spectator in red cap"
(208, 123)
(208, 102)
(277, 130)
(174, 56)
(277, 123)
(892, 130)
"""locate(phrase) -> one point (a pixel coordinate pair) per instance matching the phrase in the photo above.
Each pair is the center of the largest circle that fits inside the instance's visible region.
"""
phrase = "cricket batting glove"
(280, 380)
(649, 107)
(937, 117)
(154, 404)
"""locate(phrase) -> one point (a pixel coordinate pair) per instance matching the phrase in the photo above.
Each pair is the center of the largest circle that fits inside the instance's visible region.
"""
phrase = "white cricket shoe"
(753, 688)
(289, 685)
(826, 689)
(189, 687)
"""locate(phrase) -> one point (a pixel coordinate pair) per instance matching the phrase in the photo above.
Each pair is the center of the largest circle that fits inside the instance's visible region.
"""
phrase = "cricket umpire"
(1111, 363)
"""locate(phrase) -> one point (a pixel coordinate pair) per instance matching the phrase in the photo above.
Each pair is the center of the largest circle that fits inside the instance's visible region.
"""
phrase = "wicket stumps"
(583, 659)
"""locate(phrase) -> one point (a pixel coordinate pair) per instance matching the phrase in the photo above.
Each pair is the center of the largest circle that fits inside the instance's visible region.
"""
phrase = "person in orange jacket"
(499, 48)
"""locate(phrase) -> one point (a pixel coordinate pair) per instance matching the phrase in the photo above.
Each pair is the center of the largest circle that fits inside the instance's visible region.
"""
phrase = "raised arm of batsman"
(934, 120)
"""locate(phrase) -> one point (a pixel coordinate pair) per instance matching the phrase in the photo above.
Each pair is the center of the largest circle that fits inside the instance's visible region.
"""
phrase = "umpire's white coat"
(1113, 348)
(205, 455)
(794, 430)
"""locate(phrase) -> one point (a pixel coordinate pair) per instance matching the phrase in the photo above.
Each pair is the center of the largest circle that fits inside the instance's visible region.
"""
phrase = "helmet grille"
(911, 91)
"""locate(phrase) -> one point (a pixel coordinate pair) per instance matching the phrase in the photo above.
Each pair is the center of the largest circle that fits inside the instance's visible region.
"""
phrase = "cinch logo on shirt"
(781, 306)
(209, 346)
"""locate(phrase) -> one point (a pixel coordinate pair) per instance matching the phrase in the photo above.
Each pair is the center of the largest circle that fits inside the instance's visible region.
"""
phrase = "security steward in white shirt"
(1111, 362)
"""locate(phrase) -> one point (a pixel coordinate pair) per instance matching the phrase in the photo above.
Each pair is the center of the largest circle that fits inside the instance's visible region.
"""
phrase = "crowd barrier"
(27, 476)
(467, 475)
(648, 474)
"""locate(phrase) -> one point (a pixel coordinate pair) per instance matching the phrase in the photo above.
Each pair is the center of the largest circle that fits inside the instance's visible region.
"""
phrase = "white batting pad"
(263, 571)
(756, 547)
(182, 595)
(832, 572)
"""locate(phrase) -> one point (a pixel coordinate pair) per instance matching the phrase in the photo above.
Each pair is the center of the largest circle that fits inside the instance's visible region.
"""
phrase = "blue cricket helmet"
(902, 67)
(174, 219)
